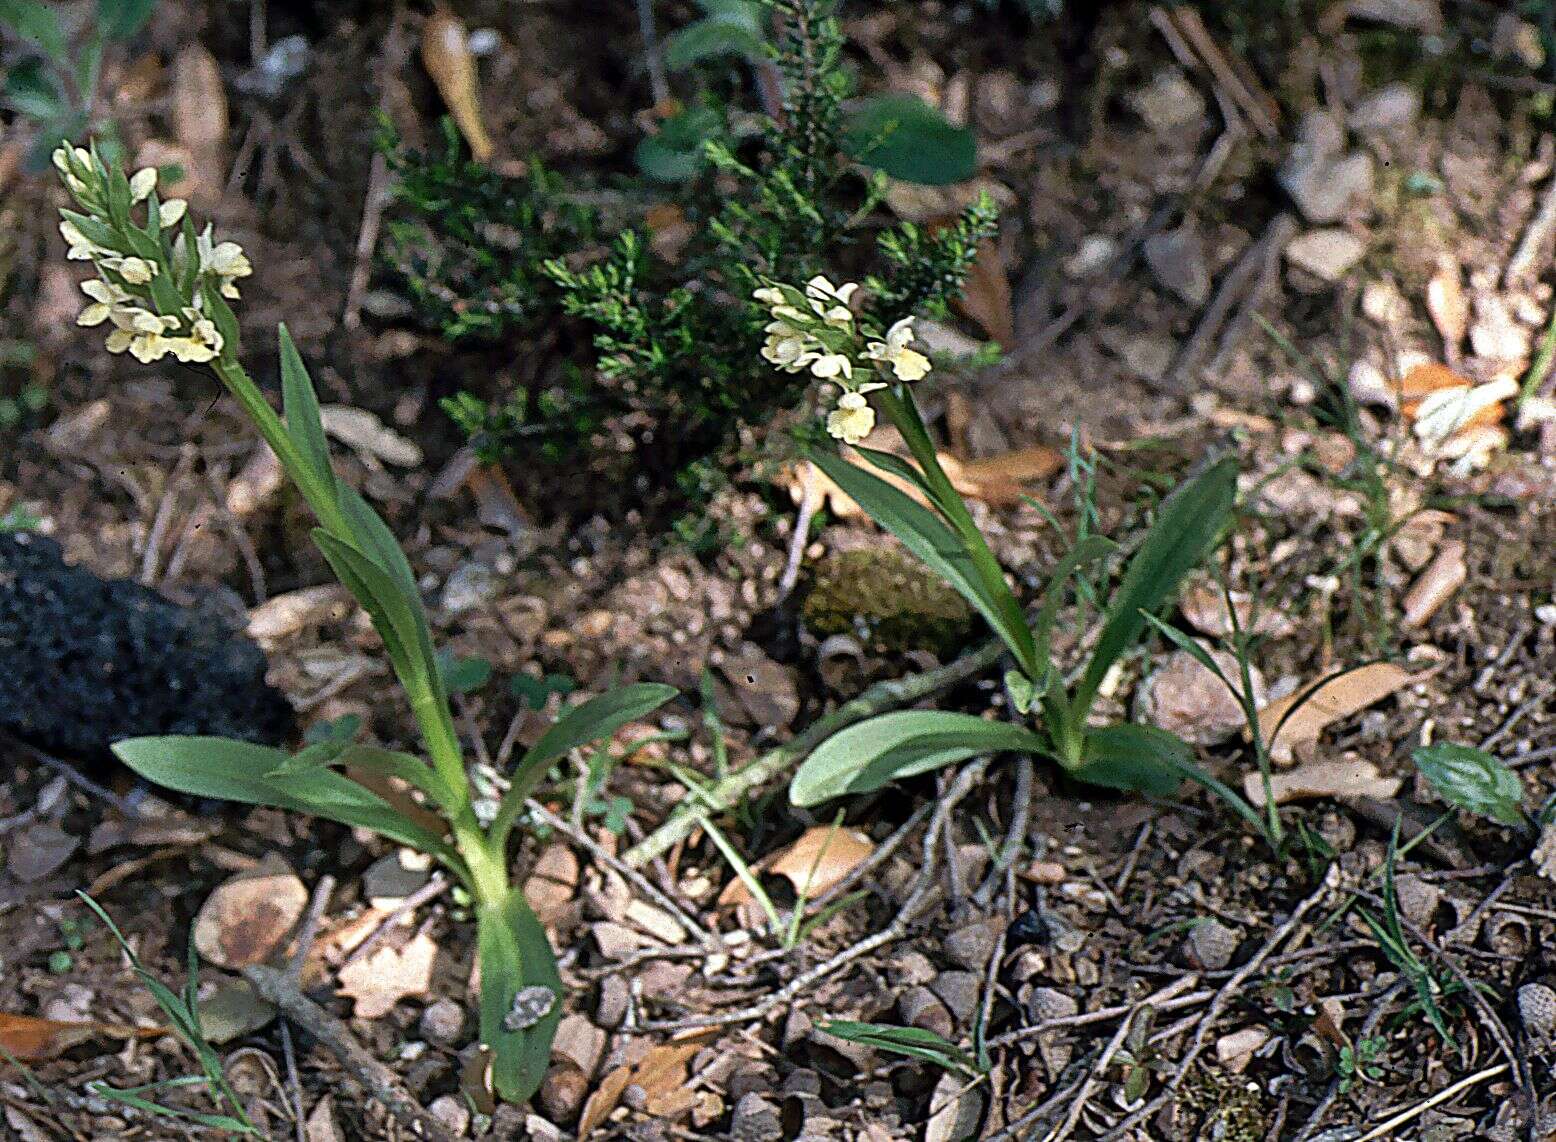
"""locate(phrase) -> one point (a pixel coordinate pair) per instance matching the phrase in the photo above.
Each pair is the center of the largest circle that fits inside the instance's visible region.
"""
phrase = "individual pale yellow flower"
(829, 365)
(224, 259)
(852, 419)
(66, 160)
(787, 347)
(136, 271)
(171, 212)
(142, 183)
(831, 302)
(204, 342)
(106, 297)
(769, 296)
(82, 248)
(906, 364)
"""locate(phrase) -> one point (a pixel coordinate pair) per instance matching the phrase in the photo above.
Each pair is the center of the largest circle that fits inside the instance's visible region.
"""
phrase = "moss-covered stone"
(887, 600)
(1213, 1106)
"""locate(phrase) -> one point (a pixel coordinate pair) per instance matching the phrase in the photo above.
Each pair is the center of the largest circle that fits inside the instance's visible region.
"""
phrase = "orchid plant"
(164, 288)
(823, 329)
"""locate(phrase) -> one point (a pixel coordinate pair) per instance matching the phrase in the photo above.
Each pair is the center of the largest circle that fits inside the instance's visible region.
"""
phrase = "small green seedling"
(163, 288)
(182, 1009)
(1472, 780)
(1359, 1063)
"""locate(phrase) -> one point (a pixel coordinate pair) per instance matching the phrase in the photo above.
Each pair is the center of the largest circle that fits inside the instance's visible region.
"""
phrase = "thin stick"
(877, 699)
(1078, 1106)
(800, 538)
(924, 893)
(377, 1080)
(1383, 1129)
(435, 887)
(377, 196)
(1229, 990)
(651, 54)
(600, 853)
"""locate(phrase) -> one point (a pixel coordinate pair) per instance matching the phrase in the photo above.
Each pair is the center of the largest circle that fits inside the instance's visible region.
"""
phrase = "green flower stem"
(485, 864)
(900, 406)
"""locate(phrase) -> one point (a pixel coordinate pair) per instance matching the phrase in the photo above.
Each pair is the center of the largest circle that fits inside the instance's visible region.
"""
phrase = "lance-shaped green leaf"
(370, 759)
(1142, 759)
(518, 1019)
(914, 1042)
(1187, 527)
(399, 621)
(941, 549)
(1473, 780)
(595, 719)
(869, 754)
(300, 409)
(240, 771)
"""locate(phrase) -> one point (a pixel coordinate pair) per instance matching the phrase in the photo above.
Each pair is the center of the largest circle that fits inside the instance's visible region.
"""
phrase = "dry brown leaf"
(1448, 305)
(200, 124)
(37, 850)
(1424, 379)
(249, 916)
(996, 480)
(1354, 778)
(999, 481)
(445, 53)
(986, 295)
(1435, 586)
(387, 975)
(1340, 697)
(364, 433)
(604, 1099)
(822, 856)
(30, 1039)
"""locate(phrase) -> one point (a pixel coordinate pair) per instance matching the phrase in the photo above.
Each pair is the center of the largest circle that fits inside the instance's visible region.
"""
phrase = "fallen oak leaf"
(1297, 720)
(387, 975)
(29, 1039)
(821, 857)
(660, 1075)
(1354, 778)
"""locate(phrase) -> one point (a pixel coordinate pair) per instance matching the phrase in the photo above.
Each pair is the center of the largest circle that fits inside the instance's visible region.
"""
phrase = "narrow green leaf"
(300, 409)
(37, 23)
(1087, 551)
(1473, 780)
(711, 38)
(393, 617)
(914, 1042)
(909, 140)
(869, 754)
(121, 19)
(1185, 532)
(928, 537)
(1143, 759)
(516, 955)
(593, 720)
(238, 771)
(31, 90)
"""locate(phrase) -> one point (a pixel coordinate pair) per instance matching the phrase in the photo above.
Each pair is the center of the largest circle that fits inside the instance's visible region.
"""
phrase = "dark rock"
(92, 661)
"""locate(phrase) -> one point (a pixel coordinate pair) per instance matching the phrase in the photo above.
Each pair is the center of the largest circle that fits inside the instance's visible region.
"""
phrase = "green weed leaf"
(914, 1042)
(1473, 780)
(1143, 759)
(515, 956)
(909, 140)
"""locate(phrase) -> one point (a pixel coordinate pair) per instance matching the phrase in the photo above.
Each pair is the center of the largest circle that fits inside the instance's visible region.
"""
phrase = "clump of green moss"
(887, 601)
(1215, 1106)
